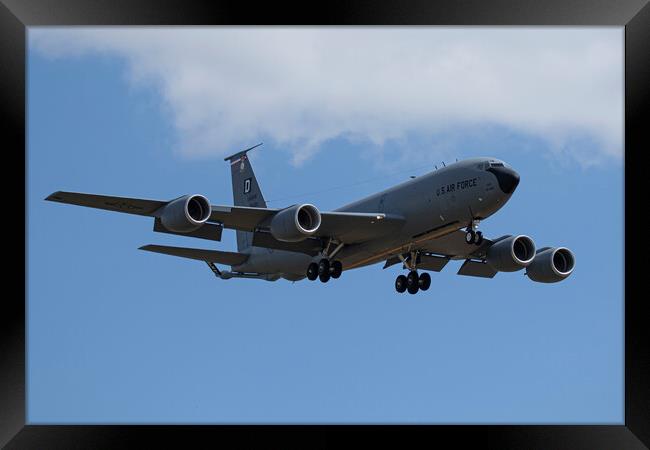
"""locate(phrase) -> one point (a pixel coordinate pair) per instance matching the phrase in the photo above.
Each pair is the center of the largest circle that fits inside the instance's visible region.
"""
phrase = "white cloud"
(299, 87)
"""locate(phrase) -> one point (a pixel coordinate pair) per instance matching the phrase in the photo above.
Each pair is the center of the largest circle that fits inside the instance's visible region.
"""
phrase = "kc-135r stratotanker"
(421, 223)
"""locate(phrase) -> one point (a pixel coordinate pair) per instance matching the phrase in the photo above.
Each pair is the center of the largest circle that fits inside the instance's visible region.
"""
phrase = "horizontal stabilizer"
(215, 256)
(120, 204)
(476, 269)
(239, 154)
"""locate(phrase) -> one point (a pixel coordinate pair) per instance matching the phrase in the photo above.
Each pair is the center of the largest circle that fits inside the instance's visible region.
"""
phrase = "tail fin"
(245, 190)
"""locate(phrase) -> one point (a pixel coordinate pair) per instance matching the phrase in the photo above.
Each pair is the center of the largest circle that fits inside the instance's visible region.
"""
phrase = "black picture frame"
(634, 15)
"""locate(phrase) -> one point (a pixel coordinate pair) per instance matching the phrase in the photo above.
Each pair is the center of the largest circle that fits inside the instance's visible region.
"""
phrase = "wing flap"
(348, 227)
(214, 256)
(474, 268)
(391, 262)
(211, 231)
(309, 246)
(453, 244)
(243, 218)
(355, 227)
(432, 262)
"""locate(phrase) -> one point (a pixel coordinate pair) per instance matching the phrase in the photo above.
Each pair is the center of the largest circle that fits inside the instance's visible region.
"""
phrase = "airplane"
(422, 223)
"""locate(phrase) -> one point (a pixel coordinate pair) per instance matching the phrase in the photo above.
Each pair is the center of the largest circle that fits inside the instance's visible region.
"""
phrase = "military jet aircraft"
(421, 223)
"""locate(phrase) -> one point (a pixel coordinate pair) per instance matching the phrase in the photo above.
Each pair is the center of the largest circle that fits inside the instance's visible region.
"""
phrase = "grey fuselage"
(433, 205)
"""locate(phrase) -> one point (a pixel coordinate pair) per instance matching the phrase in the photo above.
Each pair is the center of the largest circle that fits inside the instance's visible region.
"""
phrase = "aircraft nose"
(508, 179)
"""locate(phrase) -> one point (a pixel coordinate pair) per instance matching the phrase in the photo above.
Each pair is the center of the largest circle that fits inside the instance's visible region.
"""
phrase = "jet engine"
(551, 265)
(511, 254)
(186, 214)
(295, 223)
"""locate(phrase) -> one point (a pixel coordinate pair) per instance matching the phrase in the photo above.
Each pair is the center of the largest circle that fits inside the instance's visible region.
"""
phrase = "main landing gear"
(324, 270)
(472, 236)
(412, 282)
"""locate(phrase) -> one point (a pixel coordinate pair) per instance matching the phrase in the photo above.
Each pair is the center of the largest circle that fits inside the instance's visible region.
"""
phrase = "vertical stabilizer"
(245, 190)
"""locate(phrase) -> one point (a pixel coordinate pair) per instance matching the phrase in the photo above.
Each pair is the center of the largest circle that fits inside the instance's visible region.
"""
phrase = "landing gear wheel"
(479, 238)
(400, 284)
(312, 271)
(424, 281)
(324, 277)
(324, 268)
(470, 237)
(336, 269)
(412, 282)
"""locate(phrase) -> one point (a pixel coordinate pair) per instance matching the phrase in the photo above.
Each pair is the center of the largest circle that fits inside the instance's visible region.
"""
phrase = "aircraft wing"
(138, 206)
(348, 227)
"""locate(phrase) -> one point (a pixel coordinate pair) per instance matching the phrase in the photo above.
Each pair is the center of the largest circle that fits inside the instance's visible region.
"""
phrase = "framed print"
(423, 120)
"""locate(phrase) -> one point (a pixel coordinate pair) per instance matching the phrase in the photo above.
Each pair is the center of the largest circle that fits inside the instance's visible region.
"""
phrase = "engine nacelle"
(551, 265)
(511, 254)
(186, 214)
(295, 223)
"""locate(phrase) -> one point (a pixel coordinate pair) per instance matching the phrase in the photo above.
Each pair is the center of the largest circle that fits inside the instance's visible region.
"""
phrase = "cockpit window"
(496, 164)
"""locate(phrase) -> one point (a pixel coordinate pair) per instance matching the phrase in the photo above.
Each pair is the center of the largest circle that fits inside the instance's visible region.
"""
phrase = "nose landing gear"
(472, 236)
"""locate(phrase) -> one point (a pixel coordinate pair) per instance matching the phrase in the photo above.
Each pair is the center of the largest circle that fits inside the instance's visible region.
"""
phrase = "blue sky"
(117, 335)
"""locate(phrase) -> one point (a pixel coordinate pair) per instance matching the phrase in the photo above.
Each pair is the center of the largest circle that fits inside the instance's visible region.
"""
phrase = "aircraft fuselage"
(435, 204)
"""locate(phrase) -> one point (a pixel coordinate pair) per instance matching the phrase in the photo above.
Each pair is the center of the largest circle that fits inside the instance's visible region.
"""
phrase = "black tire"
(324, 267)
(400, 284)
(470, 237)
(412, 279)
(413, 289)
(312, 271)
(336, 269)
(425, 281)
(324, 277)
(479, 238)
